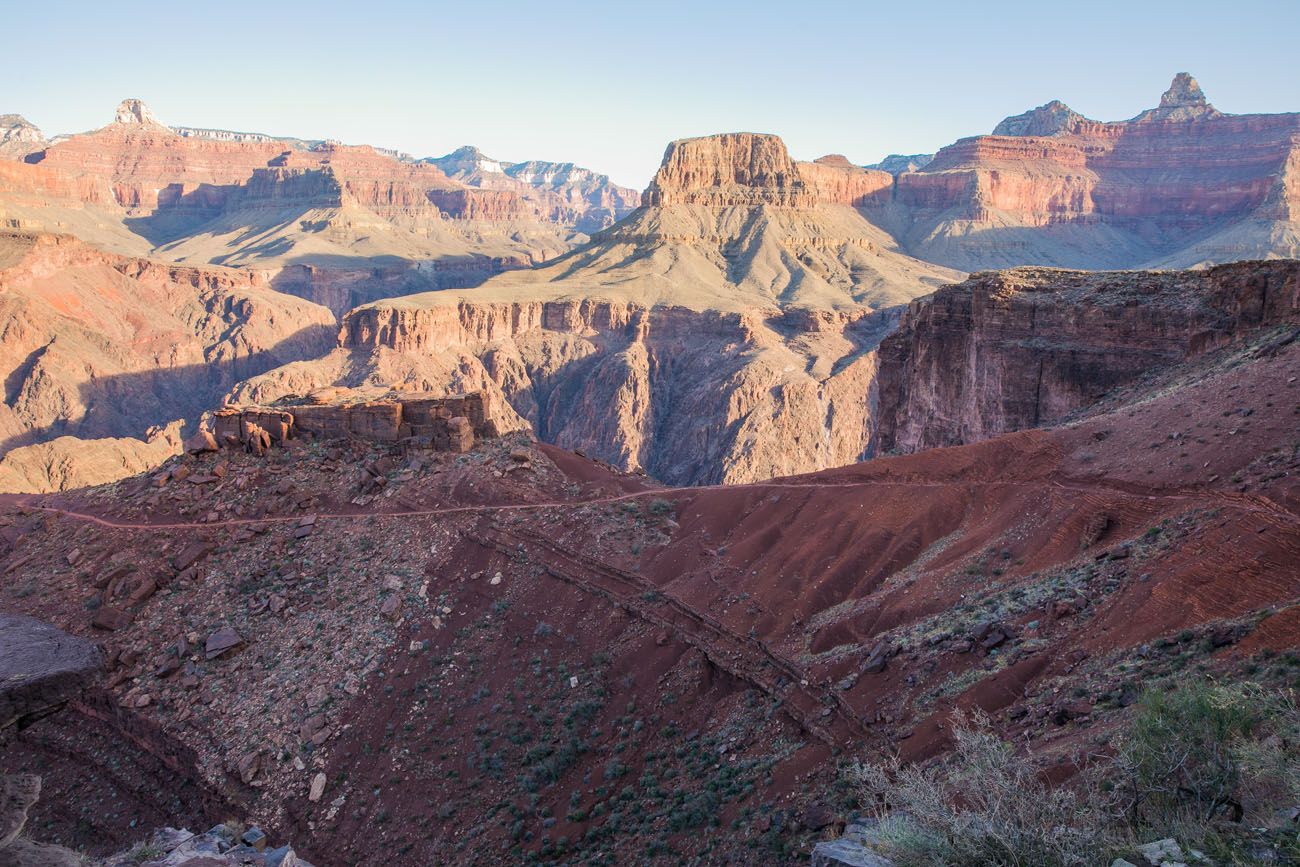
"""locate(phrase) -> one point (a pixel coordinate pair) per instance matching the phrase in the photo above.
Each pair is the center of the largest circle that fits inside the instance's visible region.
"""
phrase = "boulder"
(855, 848)
(41, 669)
(1161, 851)
(202, 441)
(111, 619)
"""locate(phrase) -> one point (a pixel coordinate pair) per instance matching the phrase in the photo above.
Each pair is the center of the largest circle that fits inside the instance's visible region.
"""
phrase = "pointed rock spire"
(1183, 93)
(1183, 101)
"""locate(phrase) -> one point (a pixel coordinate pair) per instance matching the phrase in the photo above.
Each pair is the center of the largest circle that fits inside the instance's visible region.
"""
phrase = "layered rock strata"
(723, 332)
(1027, 347)
(1179, 185)
(42, 668)
(139, 187)
(103, 347)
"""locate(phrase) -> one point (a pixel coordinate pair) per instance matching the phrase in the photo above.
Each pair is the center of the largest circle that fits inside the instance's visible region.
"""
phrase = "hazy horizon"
(608, 88)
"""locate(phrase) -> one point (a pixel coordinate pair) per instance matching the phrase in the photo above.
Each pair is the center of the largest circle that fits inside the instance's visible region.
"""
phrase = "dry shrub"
(988, 806)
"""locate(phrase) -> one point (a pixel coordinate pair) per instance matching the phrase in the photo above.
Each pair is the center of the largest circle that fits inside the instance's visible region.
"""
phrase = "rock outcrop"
(42, 668)
(734, 169)
(1050, 119)
(896, 164)
(220, 846)
(560, 192)
(1027, 347)
(443, 423)
(133, 112)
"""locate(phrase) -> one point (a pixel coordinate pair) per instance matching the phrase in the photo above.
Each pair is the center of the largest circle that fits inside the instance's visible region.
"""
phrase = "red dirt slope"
(582, 668)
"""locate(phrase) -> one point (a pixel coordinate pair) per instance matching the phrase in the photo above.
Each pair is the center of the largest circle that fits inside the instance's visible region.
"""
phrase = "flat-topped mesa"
(741, 169)
(439, 422)
(1053, 118)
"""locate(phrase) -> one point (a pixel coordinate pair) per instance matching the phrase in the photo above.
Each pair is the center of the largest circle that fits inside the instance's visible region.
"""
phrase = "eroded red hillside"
(518, 651)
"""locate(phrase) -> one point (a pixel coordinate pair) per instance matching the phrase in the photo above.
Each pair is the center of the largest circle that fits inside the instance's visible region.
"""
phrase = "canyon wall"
(563, 192)
(1179, 185)
(687, 396)
(138, 187)
(98, 346)
(1027, 347)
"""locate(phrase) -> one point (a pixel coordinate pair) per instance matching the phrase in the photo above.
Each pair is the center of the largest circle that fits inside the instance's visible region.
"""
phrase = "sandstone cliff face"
(1025, 348)
(693, 397)
(1051, 187)
(730, 169)
(102, 346)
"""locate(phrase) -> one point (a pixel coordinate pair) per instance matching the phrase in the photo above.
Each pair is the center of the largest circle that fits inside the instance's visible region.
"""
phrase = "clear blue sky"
(608, 84)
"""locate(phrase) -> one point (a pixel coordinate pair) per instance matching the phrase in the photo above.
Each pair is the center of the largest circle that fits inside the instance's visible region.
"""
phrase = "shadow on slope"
(128, 404)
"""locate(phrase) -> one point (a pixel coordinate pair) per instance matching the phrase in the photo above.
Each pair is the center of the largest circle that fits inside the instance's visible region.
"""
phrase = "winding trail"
(1241, 501)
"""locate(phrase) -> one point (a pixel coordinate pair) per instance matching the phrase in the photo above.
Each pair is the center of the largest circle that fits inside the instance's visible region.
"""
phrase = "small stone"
(1161, 851)
(496, 579)
(249, 765)
(317, 788)
(221, 642)
(111, 619)
(1071, 711)
(191, 554)
(74, 556)
(391, 606)
(255, 838)
(816, 817)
